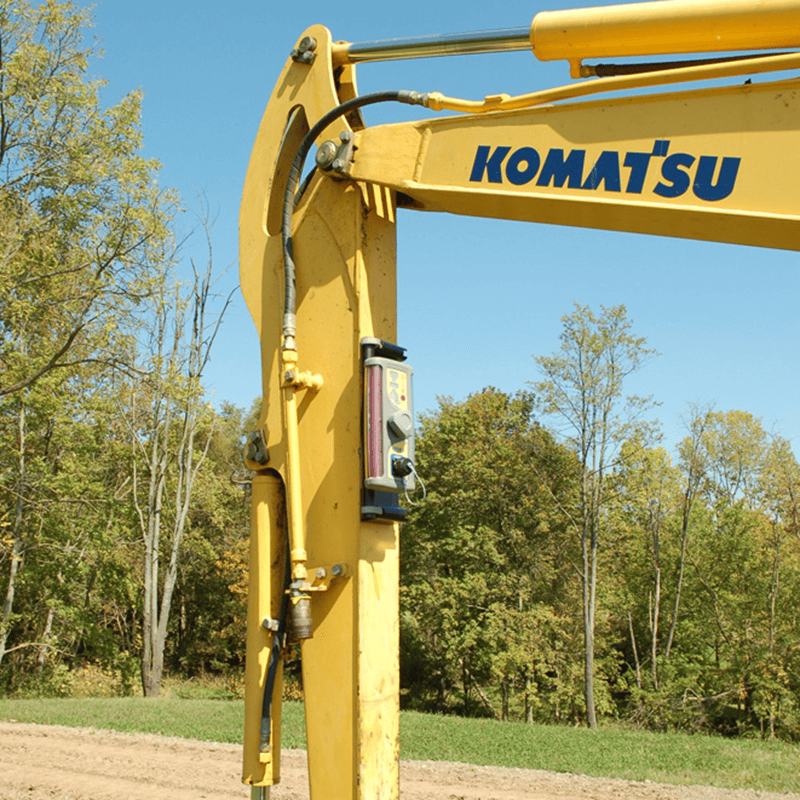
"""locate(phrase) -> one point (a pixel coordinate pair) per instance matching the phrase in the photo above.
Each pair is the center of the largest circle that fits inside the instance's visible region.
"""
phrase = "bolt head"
(307, 43)
(326, 154)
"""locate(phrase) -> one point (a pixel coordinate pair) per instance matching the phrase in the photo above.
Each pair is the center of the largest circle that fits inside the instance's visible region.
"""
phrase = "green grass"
(609, 752)
(207, 720)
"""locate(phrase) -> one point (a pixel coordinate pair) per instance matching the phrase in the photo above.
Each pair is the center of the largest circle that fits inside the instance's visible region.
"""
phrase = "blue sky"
(477, 298)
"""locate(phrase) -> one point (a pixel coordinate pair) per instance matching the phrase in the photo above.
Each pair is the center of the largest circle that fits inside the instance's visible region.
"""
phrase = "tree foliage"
(695, 615)
(482, 554)
(79, 205)
(86, 268)
(583, 390)
(171, 427)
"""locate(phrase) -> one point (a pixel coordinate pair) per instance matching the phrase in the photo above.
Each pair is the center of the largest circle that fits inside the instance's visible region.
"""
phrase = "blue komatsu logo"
(678, 171)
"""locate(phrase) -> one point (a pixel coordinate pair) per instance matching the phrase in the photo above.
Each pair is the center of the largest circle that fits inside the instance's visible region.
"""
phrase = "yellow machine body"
(350, 666)
(433, 164)
(716, 163)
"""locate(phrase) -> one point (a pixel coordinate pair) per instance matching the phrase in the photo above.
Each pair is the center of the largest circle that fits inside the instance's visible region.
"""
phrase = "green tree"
(70, 587)
(693, 464)
(648, 550)
(78, 203)
(777, 698)
(582, 390)
(482, 557)
(79, 208)
(645, 488)
(171, 424)
(730, 653)
(211, 587)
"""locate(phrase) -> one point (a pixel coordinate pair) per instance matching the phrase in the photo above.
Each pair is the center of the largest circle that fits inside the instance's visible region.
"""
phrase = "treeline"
(117, 510)
(74, 548)
(562, 568)
(694, 590)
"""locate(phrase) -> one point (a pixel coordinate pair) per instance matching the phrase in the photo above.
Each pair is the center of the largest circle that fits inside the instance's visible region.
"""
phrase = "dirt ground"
(41, 762)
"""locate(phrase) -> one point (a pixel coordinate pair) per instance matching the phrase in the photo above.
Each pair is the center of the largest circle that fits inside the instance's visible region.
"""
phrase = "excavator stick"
(318, 272)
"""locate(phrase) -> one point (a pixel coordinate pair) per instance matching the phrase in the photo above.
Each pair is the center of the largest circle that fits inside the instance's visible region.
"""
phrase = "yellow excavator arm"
(629, 146)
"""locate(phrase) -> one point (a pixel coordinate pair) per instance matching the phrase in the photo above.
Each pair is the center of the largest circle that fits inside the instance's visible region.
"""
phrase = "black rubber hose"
(296, 170)
(274, 658)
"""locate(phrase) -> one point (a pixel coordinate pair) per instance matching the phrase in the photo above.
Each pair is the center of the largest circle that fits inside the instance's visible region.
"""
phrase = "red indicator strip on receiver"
(374, 434)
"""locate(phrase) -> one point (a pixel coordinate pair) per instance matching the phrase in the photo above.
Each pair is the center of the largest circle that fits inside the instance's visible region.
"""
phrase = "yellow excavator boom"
(318, 272)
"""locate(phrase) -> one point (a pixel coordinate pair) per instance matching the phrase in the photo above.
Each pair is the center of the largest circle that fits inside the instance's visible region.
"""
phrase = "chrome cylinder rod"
(446, 44)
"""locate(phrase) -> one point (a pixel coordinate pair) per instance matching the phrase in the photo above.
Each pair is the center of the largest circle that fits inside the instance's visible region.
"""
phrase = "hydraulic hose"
(276, 650)
(295, 172)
